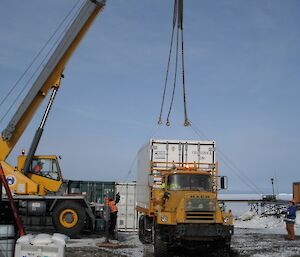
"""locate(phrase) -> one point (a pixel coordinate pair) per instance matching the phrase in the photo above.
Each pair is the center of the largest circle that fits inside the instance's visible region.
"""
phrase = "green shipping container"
(94, 190)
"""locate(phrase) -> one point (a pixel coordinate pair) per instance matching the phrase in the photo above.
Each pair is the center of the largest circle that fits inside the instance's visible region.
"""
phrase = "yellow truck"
(177, 197)
(36, 180)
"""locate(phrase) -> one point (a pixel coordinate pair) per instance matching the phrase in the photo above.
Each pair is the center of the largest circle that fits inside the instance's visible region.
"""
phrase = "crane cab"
(45, 171)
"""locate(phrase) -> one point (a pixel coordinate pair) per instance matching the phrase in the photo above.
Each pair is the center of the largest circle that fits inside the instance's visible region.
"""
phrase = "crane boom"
(49, 76)
(36, 180)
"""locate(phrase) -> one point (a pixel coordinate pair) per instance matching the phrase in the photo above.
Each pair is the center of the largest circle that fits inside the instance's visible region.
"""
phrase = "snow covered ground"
(256, 237)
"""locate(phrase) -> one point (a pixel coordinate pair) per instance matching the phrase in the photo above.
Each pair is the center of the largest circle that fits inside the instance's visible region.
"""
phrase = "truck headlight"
(164, 218)
(226, 220)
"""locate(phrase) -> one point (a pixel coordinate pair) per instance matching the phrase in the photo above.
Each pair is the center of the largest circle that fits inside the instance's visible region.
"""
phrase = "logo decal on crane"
(11, 180)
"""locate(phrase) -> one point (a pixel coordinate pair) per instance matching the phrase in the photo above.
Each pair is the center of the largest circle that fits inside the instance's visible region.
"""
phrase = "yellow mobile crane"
(36, 180)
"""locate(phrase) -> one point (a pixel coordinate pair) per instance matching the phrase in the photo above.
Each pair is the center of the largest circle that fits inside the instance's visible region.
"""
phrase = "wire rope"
(178, 22)
(186, 120)
(175, 79)
(168, 66)
(34, 60)
(231, 165)
(131, 168)
(152, 134)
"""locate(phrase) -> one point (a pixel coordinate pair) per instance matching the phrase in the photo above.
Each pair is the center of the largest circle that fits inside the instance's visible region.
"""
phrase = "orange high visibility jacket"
(112, 206)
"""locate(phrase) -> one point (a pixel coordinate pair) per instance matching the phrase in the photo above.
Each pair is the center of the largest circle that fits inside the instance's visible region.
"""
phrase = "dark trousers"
(113, 222)
(291, 231)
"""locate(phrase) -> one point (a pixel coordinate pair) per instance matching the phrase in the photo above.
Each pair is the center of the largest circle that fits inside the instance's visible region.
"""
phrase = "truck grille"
(200, 205)
(199, 217)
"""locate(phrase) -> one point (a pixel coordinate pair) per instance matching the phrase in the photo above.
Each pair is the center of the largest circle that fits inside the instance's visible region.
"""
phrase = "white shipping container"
(127, 216)
(164, 154)
(179, 152)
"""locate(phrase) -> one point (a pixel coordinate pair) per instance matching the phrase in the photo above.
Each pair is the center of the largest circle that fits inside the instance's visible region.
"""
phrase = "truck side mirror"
(223, 182)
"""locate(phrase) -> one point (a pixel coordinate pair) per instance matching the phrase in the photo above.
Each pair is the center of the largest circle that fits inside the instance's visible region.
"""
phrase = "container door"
(199, 153)
(166, 153)
(127, 216)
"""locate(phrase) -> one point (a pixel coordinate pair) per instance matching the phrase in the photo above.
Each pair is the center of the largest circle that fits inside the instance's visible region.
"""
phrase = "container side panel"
(93, 190)
(127, 223)
(143, 171)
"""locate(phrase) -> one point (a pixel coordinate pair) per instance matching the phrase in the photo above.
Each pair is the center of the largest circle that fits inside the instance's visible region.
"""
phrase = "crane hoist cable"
(175, 79)
(168, 65)
(35, 59)
(178, 23)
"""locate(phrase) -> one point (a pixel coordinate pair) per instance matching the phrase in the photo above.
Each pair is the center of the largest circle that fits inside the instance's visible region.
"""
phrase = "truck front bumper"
(197, 232)
(205, 232)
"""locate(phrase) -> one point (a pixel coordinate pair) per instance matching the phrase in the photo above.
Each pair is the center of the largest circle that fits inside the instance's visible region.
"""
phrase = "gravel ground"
(245, 243)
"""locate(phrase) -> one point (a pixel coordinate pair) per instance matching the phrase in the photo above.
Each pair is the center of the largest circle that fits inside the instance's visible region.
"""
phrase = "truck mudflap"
(197, 232)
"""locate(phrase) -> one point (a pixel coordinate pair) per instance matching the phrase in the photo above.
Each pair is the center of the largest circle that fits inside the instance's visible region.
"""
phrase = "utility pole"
(272, 181)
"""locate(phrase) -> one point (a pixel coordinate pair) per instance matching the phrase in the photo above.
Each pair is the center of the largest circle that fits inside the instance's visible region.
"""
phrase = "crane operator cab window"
(191, 182)
(45, 167)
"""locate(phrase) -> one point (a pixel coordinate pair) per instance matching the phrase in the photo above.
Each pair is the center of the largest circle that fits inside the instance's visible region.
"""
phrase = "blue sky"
(242, 75)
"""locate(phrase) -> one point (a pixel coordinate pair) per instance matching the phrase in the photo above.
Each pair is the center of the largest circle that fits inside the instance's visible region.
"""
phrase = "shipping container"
(296, 192)
(127, 215)
(93, 190)
(165, 154)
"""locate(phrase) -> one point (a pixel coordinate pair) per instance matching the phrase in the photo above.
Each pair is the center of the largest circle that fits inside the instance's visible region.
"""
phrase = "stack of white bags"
(41, 245)
(44, 239)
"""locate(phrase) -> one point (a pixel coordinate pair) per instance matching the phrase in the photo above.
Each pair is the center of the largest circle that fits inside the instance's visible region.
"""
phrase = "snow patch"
(258, 222)
(247, 216)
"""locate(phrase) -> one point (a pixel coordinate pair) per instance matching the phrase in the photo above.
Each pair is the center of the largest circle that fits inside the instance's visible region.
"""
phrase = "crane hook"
(187, 123)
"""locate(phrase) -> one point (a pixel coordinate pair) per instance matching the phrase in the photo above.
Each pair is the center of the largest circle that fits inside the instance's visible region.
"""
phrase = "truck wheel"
(145, 230)
(161, 248)
(68, 217)
(141, 229)
(222, 248)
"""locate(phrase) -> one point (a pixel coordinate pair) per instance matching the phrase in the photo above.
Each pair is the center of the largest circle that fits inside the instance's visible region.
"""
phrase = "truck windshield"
(189, 182)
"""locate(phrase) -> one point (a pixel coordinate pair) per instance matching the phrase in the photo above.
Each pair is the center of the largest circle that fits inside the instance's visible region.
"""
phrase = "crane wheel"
(69, 217)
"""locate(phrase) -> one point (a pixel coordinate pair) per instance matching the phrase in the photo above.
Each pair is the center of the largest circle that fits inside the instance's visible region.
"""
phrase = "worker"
(290, 219)
(113, 210)
(173, 184)
(38, 167)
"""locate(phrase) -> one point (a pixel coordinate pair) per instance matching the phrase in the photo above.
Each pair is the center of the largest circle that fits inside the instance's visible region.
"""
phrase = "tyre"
(145, 230)
(141, 229)
(69, 217)
(222, 249)
(161, 248)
